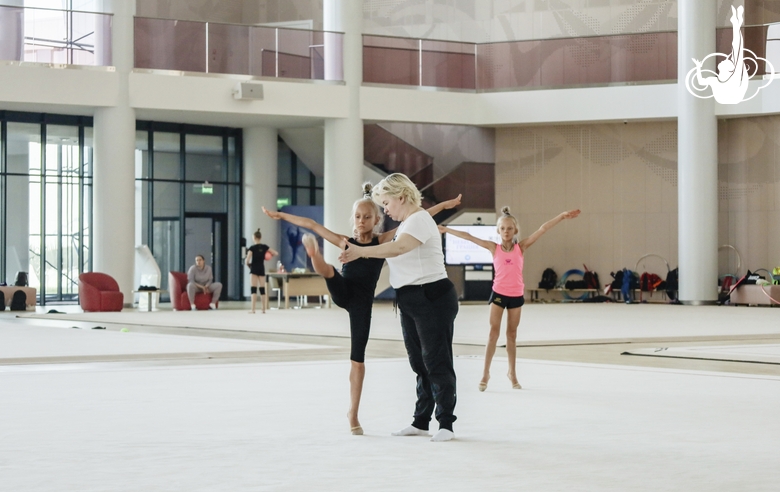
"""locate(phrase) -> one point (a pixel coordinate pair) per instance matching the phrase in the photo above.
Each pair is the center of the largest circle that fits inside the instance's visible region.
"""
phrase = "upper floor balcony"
(208, 47)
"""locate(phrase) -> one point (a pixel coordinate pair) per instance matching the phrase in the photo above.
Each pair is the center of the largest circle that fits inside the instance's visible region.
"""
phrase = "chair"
(99, 292)
(177, 284)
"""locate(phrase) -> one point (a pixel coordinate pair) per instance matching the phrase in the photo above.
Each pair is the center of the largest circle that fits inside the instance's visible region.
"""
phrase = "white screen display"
(458, 251)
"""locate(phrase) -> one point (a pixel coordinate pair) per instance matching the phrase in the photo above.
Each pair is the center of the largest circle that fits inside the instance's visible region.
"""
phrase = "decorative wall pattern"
(622, 177)
(234, 11)
(514, 20)
(749, 191)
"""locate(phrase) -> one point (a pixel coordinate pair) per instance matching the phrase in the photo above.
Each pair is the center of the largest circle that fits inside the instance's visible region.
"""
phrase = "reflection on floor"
(761, 354)
(258, 403)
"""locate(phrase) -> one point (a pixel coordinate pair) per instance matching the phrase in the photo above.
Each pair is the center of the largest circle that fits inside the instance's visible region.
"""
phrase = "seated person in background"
(200, 278)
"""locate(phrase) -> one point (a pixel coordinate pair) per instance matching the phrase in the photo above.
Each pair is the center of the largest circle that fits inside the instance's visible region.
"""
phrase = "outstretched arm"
(488, 245)
(403, 244)
(307, 223)
(445, 205)
(527, 242)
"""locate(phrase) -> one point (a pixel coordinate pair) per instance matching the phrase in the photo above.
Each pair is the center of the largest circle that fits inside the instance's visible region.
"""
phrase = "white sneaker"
(410, 431)
(443, 435)
(212, 305)
(193, 308)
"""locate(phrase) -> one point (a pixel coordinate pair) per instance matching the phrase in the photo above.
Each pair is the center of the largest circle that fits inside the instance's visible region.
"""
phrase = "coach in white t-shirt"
(426, 298)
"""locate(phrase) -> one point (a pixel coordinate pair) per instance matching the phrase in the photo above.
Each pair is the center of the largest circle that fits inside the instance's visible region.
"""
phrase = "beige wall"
(622, 177)
(234, 11)
(749, 191)
(508, 20)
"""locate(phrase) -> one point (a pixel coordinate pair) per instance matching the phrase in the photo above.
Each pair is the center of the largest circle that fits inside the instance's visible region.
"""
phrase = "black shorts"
(506, 302)
(259, 271)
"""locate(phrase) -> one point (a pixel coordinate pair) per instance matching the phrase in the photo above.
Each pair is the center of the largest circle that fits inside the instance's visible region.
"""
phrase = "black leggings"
(358, 304)
(427, 320)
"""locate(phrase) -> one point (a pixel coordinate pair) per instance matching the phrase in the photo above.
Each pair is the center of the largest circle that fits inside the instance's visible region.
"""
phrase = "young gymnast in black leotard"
(256, 256)
(353, 288)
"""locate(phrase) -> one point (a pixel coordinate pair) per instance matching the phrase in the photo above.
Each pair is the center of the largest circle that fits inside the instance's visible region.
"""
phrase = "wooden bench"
(752, 295)
(574, 293)
(9, 293)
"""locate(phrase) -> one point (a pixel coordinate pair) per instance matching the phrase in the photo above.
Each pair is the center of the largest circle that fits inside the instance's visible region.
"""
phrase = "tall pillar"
(344, 136)
(11, 30)
(260, 178)
(114, 174)
(697, 130)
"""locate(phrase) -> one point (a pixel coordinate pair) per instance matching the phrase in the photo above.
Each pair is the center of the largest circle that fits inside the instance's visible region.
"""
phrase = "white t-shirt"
(423, 264)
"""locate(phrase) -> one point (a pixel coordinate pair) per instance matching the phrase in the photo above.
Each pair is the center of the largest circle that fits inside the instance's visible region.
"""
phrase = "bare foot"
(251, 312)
(310, 244)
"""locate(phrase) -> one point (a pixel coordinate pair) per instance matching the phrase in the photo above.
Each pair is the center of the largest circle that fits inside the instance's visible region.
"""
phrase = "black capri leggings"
(358, 304)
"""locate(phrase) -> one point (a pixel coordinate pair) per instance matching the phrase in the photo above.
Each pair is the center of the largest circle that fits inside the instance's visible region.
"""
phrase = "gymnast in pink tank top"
(508, 268)
(508, 286)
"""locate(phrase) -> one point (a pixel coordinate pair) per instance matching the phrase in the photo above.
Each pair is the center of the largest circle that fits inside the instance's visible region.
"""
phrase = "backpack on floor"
(19, 301)
(549, 279)
(672, 284)
(591, 279)
(2, 300)
(630, 282)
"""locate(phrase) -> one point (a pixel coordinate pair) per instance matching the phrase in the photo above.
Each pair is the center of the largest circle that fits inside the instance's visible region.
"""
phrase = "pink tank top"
(508, 268)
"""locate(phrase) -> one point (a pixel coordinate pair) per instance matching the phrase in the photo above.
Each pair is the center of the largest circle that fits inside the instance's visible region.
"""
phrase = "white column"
(344, 136)
(113, 207)
(260, 178)
(697, 160)
(11, 31)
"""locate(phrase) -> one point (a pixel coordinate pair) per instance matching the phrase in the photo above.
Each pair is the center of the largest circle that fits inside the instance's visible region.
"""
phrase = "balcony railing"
(210, 47)
(55, 36)
(595, 60)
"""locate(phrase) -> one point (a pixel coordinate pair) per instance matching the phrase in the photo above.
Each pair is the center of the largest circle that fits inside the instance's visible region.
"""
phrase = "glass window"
(303, 196)
(142, 155)
(204, 198)
(167, 156)
(205, 158)
(18, 258)
(166, 199)
(303, 177)
(234, 169)
(49, 184)
(24, 148)
(285, 167)
(62, 149)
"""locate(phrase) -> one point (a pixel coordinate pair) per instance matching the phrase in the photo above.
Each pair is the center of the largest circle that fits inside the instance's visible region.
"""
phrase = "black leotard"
(257, 266)
(353, 290)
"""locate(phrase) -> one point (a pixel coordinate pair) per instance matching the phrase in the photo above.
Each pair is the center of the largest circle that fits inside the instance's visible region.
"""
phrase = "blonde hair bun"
(367, 187)
(505, 211)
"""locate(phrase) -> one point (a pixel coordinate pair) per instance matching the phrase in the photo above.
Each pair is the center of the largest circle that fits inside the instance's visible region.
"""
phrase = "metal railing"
(68, 37)
(559, 62)
(209, 47)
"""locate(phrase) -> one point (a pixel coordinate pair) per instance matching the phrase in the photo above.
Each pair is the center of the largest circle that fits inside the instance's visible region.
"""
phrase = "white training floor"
(25, 343)
(764, 354)
(540, 323)
(282, 426)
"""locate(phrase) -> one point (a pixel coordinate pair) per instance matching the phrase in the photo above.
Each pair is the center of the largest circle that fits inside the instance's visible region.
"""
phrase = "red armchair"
(99, 292)
(177, 284)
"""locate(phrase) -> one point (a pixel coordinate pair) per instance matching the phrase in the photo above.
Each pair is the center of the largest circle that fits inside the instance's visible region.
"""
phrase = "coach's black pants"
(427, 319)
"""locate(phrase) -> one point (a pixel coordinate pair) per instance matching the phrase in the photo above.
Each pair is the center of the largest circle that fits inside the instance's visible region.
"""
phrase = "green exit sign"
(204, 189)
(282, 202)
